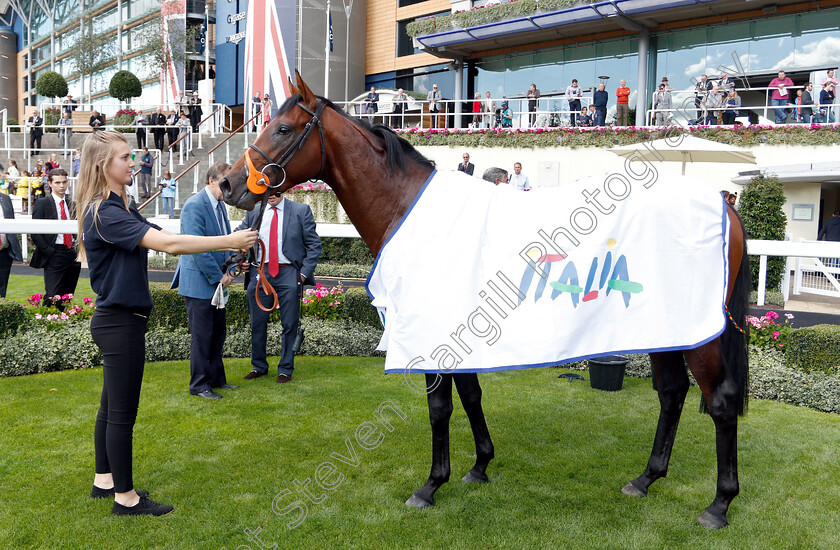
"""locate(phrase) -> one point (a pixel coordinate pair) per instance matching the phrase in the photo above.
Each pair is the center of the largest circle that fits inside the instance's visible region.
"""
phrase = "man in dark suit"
(293, 247)
(196, 112)
(9, 245)
(36, 132)
(466, 166)
(197, 279)
(158, 119)
(56, 254)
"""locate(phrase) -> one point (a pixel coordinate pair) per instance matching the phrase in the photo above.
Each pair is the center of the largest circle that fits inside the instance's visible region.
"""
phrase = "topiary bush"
(12, 316)
(345, 251)
(51, 84)
(814, 349)
(761, 209)
(124, 85)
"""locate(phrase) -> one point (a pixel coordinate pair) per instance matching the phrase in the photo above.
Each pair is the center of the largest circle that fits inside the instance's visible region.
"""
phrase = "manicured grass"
(563, 453)
(22, 287)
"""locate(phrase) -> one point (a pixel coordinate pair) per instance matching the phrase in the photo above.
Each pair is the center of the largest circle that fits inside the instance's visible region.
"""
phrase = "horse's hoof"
(710, 521)
(632, 491)
(417, 502)
(473, 477)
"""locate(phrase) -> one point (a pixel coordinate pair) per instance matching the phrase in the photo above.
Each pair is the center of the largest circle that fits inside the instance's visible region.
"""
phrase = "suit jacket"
(14, 240)
(44, 209)
(301, 243)
(37, 126)
(198, 275)
(158, 119)
(469, 169)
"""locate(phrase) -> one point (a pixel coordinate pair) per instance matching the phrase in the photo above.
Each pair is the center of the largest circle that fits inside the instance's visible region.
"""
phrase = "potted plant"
(607, 372)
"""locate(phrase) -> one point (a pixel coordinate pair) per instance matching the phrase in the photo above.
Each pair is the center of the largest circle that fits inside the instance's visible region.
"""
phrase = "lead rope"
(263, 282)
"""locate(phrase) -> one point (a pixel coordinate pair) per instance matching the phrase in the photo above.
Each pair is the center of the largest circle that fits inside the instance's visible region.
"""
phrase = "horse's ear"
(306, 94)
(292, 88)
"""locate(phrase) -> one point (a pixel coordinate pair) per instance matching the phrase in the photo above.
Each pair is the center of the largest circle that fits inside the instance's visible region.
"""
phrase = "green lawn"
(563, 453)
(22, 287)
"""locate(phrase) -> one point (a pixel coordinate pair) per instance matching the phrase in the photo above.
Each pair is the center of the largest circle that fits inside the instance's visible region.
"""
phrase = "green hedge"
(13, 315)
(345, 251)
(814, 349)
(357, 308)
(71, 346)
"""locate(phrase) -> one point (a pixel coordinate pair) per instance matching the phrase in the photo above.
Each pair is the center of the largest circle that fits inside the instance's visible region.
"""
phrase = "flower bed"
(605, 137)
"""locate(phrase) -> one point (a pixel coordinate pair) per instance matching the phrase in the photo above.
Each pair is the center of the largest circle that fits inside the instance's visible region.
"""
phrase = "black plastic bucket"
(607, 373)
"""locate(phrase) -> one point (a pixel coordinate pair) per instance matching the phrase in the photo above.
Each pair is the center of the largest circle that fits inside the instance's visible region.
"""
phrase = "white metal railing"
(791, 250)
(818, 275)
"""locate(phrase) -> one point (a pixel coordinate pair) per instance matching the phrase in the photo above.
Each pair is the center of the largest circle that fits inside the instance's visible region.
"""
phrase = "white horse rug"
(480, 277)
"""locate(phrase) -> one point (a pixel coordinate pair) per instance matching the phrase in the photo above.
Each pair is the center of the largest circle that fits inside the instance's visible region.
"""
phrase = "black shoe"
(98, 492)
(209, 394)
(145, 507)
(229, 387)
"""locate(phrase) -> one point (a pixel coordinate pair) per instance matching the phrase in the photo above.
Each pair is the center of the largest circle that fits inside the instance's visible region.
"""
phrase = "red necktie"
(273, 259)
(68, 240)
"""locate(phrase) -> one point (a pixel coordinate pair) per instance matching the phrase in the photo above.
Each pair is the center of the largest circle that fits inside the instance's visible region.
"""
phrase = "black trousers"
(287, 285)
(159, 138)
(5, 269)
(121, 337)
(172, 134)
(574, 107)
(61, 273)
(35, 139)
(208, 331)
(141, 138)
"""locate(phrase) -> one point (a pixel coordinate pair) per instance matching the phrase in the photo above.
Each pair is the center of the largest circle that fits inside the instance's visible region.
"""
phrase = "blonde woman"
(116, 242)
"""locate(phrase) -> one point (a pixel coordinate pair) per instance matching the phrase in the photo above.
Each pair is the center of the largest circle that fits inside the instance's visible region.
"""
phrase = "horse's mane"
(397, 149)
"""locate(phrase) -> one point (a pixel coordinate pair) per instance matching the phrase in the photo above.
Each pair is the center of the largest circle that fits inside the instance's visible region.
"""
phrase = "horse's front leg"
(470, 393)
(672, 386)
(440, 410)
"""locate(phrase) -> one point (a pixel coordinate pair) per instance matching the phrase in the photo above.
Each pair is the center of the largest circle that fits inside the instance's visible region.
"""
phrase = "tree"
(51, 84)
(92, 51)
(125, 85)
(161, 54)
(761, 209)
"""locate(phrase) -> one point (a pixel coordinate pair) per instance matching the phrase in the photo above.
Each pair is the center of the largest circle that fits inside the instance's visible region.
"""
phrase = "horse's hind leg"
(440, 410)
(470, 393)
(672, 385)
(722, 396)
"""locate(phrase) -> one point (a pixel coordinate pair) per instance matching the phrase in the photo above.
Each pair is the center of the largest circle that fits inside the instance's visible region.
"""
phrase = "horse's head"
(289, 151)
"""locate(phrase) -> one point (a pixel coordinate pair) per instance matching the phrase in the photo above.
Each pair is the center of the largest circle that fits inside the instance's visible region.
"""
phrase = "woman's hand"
(242, 240)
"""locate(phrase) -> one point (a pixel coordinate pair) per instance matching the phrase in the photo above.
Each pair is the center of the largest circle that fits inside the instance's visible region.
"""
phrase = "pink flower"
(775, 334)
(87, 301)
(38, 316)
(789, 315)
(771, 315)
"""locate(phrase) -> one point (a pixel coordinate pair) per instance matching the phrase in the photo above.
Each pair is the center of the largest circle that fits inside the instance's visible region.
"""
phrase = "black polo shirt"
(116, 260)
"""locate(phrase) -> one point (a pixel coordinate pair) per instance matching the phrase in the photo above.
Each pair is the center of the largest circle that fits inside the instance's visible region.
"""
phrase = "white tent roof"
(684, 148)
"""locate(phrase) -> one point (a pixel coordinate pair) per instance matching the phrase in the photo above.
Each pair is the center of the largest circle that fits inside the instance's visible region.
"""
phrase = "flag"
(203, 36)
(266, 64)
(331, 33)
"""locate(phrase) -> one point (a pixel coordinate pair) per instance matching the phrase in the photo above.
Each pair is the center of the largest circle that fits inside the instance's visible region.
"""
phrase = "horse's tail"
(735, 337)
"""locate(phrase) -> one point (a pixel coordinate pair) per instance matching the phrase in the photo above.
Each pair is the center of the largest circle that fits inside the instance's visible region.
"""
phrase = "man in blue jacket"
(197, 277)
(599, 100)
(292, 249)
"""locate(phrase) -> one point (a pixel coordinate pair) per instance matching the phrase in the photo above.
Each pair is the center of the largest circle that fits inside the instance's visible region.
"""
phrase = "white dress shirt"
(59, 239)
(519, 182)
(265, 230)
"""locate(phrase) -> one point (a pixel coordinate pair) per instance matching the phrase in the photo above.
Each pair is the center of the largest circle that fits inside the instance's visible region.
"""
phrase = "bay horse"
(376, 176)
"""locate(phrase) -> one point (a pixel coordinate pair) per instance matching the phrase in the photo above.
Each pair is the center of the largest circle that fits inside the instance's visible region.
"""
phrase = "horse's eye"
(283, 130)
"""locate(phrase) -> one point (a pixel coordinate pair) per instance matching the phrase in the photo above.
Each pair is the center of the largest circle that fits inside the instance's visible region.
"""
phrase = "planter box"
(607, 373)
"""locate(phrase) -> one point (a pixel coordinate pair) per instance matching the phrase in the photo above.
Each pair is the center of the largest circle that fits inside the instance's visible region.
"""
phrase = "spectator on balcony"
(599, 99)
(140, 130)
(467, 167)
(477, 110)
(196, 112)
(65, 130)
(184, 128)
(714, 104)
(434, 98)
(622, 104)
(97, 121)
(573, 95)
(68, 105)
(400, 101)
(831, 229)
(662, 104)
(732, 105)
(507, 115)
(372, 103)
(701, 90)
(518, 180)
(827, 97)
(172, 129)
(158, 122)
(36, 131)
(667, 86)
(584, 118)
(806, 104)
(533, 95)
(490, 110)
(829, 78)
(725, 84)
(780, 96)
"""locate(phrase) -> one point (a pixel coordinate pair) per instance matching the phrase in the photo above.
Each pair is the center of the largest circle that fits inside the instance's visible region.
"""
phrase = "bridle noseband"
(258, 181)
